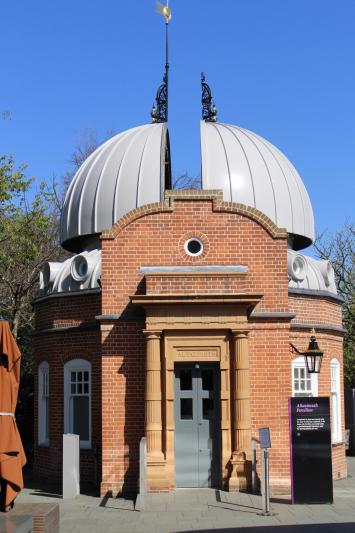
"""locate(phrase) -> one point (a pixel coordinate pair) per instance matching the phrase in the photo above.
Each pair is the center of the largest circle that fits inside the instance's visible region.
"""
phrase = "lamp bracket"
(296, 350)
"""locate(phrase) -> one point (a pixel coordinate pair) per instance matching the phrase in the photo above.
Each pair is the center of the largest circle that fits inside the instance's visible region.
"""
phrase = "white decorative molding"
(78, 273)
(304, 272)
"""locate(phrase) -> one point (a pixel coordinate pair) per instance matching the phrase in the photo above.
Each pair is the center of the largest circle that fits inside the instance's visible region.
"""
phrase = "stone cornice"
(316, 294)
(318, 327)
(193, 299)
(272, 315)
(82, 292)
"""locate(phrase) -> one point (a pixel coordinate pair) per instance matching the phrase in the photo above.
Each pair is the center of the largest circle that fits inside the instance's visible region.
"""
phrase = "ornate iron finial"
(209, 109)
(159, 112)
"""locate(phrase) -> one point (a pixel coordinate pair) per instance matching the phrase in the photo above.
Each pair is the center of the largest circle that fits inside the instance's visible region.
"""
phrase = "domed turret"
(251, 171)
(127, 171)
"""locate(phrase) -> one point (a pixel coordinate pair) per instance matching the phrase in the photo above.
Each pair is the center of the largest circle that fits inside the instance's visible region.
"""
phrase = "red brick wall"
(123, 391)
(157, 240)
(317, 310)
(193, 284)
(230, 239)
(57, 348)
(67, 310)
(270, 390)
(118, 353)
(313, 310)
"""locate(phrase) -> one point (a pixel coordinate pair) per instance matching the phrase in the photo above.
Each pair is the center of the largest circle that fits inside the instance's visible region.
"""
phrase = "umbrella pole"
(3, 507)
(2, 494)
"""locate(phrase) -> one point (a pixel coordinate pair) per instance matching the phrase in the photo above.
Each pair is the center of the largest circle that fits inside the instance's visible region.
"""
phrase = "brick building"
(174, 317)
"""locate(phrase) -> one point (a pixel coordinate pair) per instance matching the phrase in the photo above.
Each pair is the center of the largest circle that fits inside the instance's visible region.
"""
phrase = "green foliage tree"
(339, 249)
(28, 239)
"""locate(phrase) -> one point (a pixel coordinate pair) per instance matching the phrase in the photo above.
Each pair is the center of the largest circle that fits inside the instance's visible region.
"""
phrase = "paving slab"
(205, 510)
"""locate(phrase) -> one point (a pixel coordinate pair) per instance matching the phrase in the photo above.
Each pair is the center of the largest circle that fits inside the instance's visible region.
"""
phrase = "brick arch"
(218, 205)
(43, 359)
(78, 355)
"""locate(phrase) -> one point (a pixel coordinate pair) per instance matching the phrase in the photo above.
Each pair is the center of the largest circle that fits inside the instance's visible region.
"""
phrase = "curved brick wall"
(66, 329)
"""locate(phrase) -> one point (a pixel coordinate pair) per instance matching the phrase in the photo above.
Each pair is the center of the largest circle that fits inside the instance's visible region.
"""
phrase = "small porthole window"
(193, 247)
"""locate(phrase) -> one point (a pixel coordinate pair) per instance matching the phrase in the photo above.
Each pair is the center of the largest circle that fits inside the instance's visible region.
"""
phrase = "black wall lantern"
(313, 356)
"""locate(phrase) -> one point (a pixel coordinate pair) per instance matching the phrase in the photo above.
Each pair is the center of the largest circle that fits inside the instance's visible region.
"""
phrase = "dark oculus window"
(193, 247)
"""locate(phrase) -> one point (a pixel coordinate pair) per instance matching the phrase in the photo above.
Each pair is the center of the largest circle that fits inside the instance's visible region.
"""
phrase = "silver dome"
(127, 171)
(251, 171)
(133, 169)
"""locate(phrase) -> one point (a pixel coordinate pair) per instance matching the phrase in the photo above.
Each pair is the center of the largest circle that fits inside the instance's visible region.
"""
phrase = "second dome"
(252, 171)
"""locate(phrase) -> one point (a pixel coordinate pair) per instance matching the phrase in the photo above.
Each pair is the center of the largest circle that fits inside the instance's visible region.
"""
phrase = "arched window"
(77, 400)
(335, 400)
(43, 404)
(303, 383)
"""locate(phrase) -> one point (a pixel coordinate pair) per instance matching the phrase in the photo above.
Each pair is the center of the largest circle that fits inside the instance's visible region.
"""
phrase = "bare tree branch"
(339, 249)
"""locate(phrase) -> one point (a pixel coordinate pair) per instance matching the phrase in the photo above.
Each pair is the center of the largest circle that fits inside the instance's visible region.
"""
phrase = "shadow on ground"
(304, 528)
(48, 489)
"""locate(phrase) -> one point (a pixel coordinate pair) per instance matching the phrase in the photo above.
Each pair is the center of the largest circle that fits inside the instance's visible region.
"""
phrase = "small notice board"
(311, 453)
(264, 438)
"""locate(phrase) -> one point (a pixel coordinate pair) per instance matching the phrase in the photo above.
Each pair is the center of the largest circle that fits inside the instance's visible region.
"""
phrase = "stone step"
(45, 517)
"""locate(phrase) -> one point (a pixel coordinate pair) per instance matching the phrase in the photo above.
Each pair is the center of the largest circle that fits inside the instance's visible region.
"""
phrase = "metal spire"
(159, 111)
(209, 109)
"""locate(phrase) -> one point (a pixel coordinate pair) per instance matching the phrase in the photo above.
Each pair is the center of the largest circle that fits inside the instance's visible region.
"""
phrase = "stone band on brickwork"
(318, 294)
(321, 327)
(66, 294)
(192, 269)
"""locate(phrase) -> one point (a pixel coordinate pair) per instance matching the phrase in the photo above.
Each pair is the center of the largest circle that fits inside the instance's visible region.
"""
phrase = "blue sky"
(282, 68)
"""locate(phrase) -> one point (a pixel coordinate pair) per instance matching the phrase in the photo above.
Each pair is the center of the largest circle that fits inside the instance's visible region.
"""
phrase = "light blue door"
(197, 425)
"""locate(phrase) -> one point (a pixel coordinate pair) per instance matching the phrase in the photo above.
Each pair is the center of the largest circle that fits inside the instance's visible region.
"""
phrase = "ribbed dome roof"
(127, 171)
(251, 171)
(133, 169)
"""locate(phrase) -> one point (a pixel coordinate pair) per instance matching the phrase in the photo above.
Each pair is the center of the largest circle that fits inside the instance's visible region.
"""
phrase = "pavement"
(203, 510)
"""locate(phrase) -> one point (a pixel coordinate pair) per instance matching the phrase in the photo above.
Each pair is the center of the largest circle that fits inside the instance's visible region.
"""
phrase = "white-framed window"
(43, 404)
(77, 400)
(303, 383)
(335, 400)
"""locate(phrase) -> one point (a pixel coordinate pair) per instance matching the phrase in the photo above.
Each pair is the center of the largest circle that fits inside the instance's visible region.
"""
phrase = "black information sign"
(311, 451)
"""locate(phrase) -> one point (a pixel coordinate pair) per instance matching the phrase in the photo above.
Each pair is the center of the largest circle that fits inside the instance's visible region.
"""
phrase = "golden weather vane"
(164, 10)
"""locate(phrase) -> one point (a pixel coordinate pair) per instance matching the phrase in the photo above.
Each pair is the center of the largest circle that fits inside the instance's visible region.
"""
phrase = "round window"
(193, 246)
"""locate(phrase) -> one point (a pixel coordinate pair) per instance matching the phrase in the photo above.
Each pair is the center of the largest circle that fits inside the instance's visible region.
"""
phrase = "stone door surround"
(183, 328)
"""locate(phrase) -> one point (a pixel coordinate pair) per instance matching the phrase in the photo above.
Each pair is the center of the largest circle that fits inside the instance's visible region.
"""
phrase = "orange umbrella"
(12, 456)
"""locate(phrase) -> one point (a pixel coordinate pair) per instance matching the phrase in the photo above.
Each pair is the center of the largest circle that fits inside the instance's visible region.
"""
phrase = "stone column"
(241, 466)
(153, 413)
